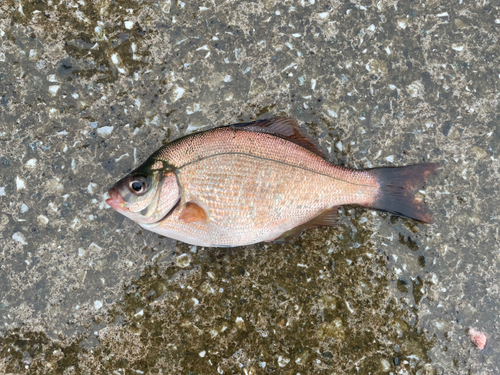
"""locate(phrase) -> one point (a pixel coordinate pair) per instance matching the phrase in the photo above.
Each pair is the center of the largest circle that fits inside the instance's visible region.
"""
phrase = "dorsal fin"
(328, 218)
(284, 127)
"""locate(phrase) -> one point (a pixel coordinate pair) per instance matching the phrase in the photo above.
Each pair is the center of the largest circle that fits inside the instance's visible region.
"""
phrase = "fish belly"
(250, 199)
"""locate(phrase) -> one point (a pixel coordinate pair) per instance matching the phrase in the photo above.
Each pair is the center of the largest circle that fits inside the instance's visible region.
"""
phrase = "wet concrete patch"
(263, 308)
(89, 90)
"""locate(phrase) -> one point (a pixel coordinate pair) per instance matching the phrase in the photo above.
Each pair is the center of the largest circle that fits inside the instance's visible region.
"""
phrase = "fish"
(262, 181)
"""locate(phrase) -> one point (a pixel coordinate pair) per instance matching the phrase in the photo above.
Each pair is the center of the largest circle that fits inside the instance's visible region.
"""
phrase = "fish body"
(247, 183)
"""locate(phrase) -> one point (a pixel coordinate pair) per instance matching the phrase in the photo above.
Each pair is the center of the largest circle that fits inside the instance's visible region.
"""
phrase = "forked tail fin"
(397, 190)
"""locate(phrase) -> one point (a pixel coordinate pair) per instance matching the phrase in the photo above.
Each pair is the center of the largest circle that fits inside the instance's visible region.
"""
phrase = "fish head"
(147, 195)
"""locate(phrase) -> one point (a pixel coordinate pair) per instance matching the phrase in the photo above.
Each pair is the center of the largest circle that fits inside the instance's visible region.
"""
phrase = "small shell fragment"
(19, 237)
(183, 261)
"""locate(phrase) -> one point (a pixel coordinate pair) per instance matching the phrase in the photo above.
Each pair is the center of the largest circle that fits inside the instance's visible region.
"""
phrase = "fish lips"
(116, 201)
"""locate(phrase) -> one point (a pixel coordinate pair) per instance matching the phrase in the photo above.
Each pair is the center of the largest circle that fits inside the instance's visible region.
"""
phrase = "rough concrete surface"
(89, 89)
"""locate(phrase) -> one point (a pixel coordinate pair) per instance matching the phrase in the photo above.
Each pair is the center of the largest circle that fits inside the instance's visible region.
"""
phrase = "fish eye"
(138, 185)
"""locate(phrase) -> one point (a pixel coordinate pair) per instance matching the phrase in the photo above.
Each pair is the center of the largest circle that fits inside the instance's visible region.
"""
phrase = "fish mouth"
(116, 200)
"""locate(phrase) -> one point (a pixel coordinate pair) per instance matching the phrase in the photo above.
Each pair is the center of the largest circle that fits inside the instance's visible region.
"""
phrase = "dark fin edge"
(328, 218)
(286, 128)
(397, 190)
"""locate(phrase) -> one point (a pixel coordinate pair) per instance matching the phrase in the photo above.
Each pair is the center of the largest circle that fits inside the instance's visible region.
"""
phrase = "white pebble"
(129, 24)
(282, 362)
(19, 237)
(114, 59)
(386, 366)
(97, 305)
(31, 163)
(43, 220)
(53, 112)
(91, 187)
(240, 323)
(105, 130)
(20, 184)
(2, 191)
(332, 113)
(53, 89)
(178, 93)
(24, 208)
(190, 109)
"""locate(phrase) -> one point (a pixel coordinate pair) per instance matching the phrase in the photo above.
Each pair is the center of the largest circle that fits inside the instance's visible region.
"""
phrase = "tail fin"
(397, 190)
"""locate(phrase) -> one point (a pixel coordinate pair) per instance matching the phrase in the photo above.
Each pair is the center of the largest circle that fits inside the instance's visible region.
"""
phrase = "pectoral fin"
(192, 213)
(328, 218)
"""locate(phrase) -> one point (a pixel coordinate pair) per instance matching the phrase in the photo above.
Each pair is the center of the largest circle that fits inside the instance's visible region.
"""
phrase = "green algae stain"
(34, 352)
(318, 304)
(286, 306)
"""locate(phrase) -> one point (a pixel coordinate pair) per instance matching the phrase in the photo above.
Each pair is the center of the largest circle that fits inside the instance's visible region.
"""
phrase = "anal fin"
(192, 213)
(328, 218)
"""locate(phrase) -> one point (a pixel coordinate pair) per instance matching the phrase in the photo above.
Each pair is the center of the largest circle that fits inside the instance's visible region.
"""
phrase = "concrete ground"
(89, 89)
